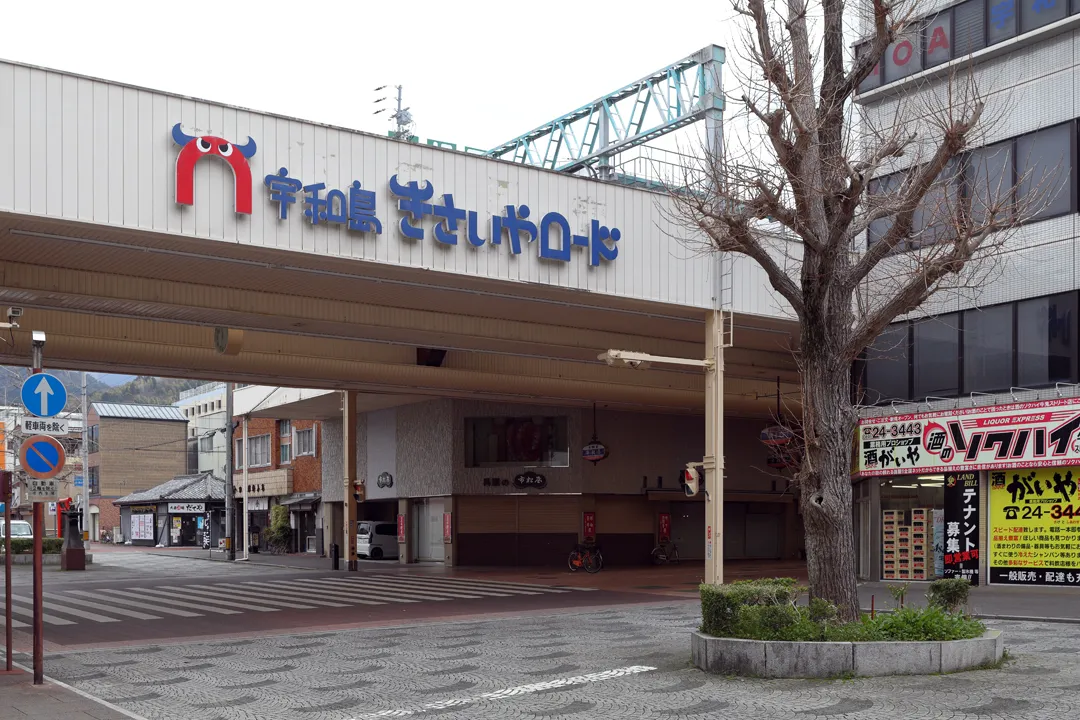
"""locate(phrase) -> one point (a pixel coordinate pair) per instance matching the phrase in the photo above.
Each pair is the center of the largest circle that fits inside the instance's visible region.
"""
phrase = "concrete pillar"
(714, 450)
(450, 556)
(348, 451)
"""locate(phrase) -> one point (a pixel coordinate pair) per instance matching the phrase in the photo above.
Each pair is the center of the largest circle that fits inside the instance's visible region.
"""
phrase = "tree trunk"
(825, 475)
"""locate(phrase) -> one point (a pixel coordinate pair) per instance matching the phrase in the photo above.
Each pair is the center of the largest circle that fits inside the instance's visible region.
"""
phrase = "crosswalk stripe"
(50, 619)
(285, 594)
(112, 609)
(250, 596)
(321, 587)
(169, 598)
(436, 585)
(204, 596)
(413, 588)
(512, 588)
(65, 610)
(350, 598)
(377, 589)
(14, 623)
(135, 603)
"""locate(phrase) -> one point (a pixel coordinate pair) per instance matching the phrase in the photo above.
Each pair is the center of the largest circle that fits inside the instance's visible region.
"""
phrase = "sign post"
(5, 495)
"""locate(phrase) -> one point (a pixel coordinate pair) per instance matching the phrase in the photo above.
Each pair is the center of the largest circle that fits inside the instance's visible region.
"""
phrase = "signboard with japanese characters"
(142, 527)
(40, 490)
(1035, 527)
(1021, 435)
(44, 426)
(962, 526)
(187, 507)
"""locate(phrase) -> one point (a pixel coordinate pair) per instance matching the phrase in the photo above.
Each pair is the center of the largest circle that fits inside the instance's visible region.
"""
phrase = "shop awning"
(302, 502)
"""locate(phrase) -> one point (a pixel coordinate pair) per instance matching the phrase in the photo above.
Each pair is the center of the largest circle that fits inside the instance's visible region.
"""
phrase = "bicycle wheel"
(675, 555)
(574, 560)
(592, 562)
(659, 557)
(599, 560)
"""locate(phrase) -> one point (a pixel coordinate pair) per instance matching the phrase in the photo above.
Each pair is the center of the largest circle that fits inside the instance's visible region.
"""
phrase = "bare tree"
(846, 260)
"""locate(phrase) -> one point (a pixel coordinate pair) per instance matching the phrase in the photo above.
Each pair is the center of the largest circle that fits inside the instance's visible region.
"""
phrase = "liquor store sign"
(1018, 436)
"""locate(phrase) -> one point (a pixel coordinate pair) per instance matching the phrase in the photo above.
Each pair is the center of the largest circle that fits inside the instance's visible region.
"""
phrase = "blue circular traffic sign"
(42, 457)
(44, 395)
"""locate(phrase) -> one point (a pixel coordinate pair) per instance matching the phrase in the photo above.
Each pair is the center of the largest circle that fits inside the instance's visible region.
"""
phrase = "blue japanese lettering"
(446, 229)
(316, 206)
(474, 236)
(413, 203)
(1002, 13)
(1039, 5)
(546, 250)
(600, 249)
(336, 199)
(362, 210)
(283, 190)
(514, 222)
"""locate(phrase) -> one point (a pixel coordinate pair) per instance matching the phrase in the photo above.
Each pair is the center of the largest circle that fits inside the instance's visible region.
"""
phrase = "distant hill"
(142, 390)
(113, 380)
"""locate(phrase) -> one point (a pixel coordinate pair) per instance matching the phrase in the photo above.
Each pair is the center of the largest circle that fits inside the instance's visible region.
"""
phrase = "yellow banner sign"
(1035, 527)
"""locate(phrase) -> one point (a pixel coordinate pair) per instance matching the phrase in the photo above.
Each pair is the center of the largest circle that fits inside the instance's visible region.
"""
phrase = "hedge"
(25, 546)
(768, 610)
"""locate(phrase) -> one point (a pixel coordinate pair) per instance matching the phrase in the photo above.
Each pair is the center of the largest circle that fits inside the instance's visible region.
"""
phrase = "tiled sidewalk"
(23, 700)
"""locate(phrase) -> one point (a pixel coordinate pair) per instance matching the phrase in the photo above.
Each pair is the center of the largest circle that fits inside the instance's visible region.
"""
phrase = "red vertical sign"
(447, 528)
(401, 528)
(589, 526)
(665, 527)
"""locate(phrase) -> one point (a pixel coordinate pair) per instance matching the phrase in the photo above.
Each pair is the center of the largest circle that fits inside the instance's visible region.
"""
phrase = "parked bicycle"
(666, 552)
(586, 556)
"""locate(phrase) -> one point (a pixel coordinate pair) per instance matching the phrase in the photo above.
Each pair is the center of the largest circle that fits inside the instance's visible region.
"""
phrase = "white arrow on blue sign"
(44, 395)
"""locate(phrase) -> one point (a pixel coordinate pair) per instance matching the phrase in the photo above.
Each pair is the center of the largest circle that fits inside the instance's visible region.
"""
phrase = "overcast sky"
(475, 73)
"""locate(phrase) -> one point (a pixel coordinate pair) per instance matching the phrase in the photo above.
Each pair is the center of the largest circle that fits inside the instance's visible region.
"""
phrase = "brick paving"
(623, 662)
(20, 699)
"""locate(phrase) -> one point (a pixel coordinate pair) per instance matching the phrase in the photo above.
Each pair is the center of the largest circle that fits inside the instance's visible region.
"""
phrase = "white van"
(376, 540)
(19, 529)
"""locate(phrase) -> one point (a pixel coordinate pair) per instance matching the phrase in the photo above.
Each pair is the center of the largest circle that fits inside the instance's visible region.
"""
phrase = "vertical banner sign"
(401, 528)
(962, 526)
(206, 531)
(588, 526)
(708, 543)
(665, 527)
(1035, 527)
(447, 528)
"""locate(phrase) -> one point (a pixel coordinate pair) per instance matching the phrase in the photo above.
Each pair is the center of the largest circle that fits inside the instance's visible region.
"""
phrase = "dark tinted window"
(878, 189)
(887, 366)
(903, 58)
(386, 529)
(988, 349)
(872, 80)
(933, 218)
(1001, 20)
(1046, 340)
(1036, 13)
(936, 356)
(936, 39)
(1044, 171)
(968, 29)
(988, 175)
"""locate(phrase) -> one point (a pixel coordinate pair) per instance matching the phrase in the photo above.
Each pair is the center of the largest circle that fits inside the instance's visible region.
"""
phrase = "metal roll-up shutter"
(550, 514)
(619, 515)
(478, 514)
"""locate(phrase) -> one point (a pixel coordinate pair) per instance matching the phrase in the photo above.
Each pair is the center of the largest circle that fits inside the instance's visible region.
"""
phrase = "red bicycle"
(585, 556)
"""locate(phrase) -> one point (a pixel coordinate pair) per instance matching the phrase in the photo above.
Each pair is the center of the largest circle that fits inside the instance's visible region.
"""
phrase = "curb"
(1012, 618)
(82, 693)
(244, 562)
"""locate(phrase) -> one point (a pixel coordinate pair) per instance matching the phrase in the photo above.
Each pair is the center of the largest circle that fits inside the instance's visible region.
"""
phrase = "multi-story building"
(284, 459)
(132, 447)
(204, 408)
(970, 451)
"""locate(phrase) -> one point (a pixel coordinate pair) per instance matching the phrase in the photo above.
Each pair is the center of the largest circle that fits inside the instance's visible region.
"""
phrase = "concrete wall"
(137, 454)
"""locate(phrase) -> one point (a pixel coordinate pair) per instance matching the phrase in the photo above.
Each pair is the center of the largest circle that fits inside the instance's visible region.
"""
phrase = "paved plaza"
(629, 662)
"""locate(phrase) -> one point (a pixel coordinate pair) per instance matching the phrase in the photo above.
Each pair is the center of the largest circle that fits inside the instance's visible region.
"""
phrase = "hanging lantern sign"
(595, 451)
(776, 435)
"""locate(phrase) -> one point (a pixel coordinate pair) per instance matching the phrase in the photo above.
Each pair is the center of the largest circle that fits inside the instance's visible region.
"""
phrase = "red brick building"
(284, 468)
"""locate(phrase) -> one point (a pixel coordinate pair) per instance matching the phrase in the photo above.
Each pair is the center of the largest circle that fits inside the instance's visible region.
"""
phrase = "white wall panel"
(83, 149)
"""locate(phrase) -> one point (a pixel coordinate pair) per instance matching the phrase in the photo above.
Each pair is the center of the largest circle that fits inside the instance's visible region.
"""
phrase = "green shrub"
(767, 610)
(279, 533)
(950, 594)
(25, 546)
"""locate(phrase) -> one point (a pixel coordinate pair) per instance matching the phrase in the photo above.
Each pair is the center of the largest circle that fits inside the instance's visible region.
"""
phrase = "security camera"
(14, 312)
(37, 339)
(633, 363)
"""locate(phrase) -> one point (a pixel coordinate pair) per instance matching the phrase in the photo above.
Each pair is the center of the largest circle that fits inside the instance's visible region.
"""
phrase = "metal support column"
(348, 464)
(230, 464)
(247, 513)
(85, 454)
(7, 480)
(714, 450)
(39, 619)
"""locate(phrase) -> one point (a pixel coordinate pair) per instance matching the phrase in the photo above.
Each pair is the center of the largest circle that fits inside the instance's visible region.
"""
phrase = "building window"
(305, 442)
(1044, 170)
(285, 454)
(969, 28)
(218, 404)
(988, 349)
(519, 441)
(882, 188)
(284, 428)
(936, 356)
(206, 444)
(259, 451)
(95, 480)
(1034, 14)
(1046, 340)
(988, 177)
(92, 439)
(887, 369)
(936, 39)
(238, 455)
(903, 57)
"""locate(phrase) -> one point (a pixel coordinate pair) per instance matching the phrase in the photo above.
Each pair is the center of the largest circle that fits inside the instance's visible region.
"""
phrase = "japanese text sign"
(401, 528)
(38, 490)
(447, 528)
(44, 426)
(665, 527)
(588, 525)
(962, 526)
(1035, 527)
(1022, 435)
(186, 507)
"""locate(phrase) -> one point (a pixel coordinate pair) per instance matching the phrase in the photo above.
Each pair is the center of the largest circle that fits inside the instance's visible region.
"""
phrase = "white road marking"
(412, 588)
(251, 595)
(316, 588)
(167, 599)
(135, 603)
(205, 596)
(510, 692)
(512, 588)
(50, 619)
(65, 610)
(288, 593)
(111, 609)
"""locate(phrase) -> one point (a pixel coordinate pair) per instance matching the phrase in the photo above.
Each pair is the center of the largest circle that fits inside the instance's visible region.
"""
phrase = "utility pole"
(230, 501)
(402, 117)
(247, 515)
(85, 465)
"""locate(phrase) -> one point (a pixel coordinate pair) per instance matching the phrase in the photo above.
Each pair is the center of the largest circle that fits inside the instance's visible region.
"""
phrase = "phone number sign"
(1021, 435)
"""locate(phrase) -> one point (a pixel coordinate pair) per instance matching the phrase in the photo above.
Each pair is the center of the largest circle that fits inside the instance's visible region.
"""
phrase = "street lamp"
(719, 331)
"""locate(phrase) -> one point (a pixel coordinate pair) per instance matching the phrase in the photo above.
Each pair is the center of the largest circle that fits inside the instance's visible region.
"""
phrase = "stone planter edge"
(28, 559)
(775, 659)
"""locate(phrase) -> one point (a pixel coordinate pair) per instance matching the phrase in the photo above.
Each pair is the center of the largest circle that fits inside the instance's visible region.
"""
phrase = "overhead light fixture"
(906, 487)
(932, 478)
